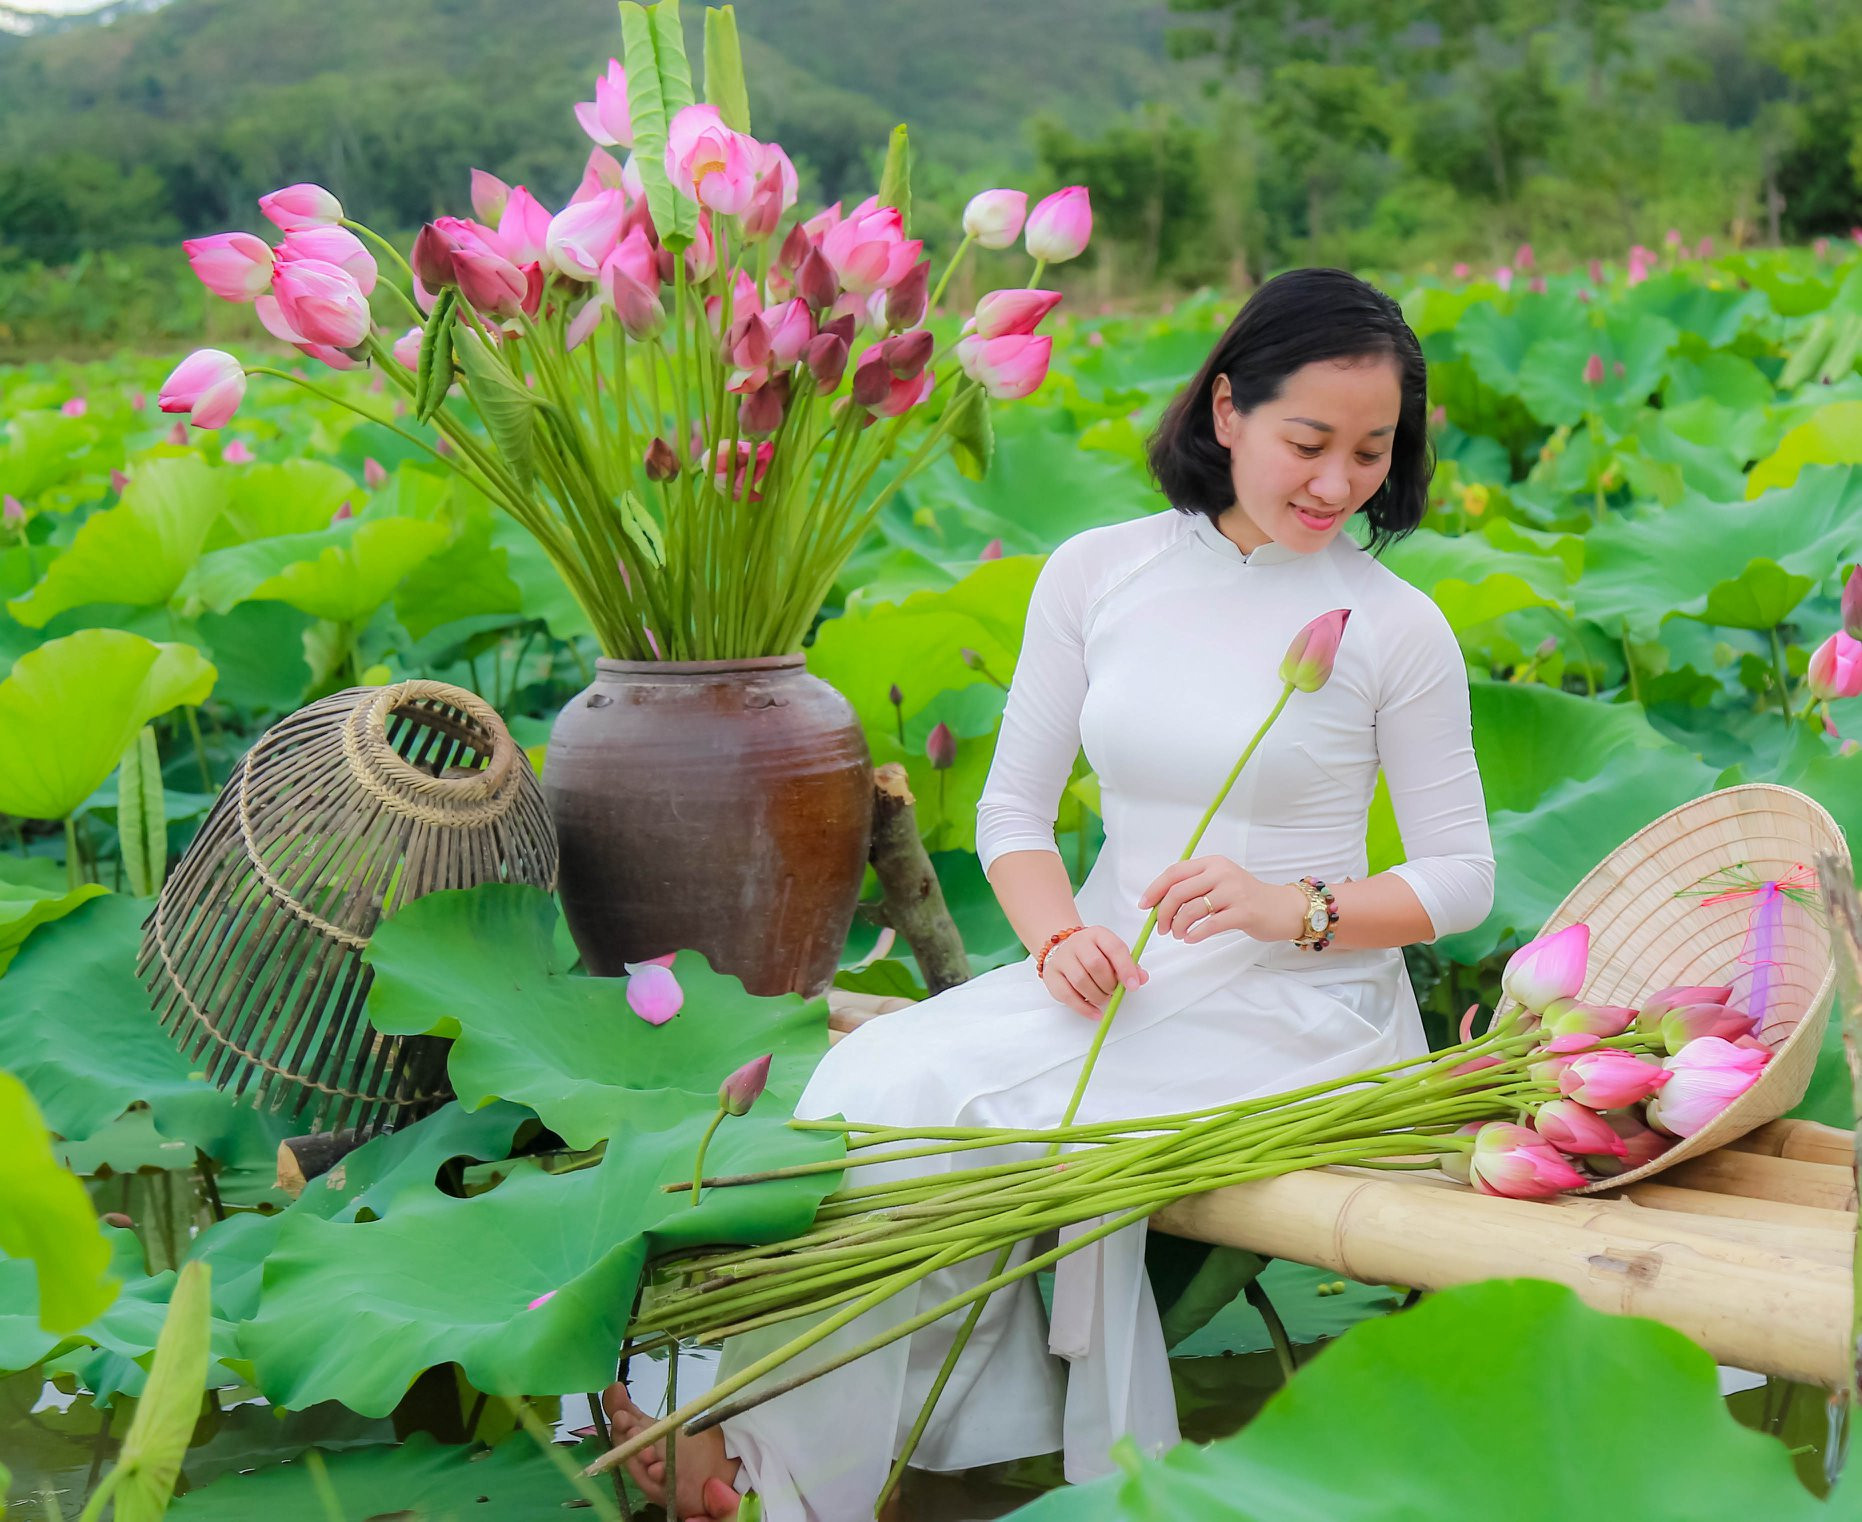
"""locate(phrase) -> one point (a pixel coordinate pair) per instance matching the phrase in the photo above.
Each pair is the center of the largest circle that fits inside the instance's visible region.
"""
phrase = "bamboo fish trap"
(350, 808)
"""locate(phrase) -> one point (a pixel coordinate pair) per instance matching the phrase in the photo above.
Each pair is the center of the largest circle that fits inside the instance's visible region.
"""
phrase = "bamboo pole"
(1659, 1196)
(1835, 876)
(1805, 1140)
(1747, 1306)
(1766, 1178)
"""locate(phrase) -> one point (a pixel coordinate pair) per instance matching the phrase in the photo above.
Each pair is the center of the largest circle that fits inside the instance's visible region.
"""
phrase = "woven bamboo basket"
(1644, 938)
(350, 808)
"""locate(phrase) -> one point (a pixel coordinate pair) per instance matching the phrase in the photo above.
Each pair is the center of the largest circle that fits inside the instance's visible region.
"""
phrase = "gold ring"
(1208, 907)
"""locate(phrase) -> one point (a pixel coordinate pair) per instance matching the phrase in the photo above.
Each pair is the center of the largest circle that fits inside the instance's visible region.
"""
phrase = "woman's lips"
(1314, 520)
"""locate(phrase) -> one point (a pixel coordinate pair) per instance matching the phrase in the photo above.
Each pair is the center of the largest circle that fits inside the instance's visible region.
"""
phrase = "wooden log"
(1806, 1140)
(303, 1158)
(914, 903)
(1748, 1307)
(1656, 1195)
(1766, 1178)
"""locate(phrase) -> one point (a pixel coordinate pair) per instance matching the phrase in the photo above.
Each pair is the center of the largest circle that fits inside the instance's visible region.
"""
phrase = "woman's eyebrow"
(1327, 427)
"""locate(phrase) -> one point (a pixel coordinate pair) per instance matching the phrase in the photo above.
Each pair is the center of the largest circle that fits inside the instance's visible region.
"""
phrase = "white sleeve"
(1040, 734)
(1425, 742)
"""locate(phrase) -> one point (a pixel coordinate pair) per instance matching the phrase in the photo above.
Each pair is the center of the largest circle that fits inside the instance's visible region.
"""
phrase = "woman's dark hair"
(1296, 319)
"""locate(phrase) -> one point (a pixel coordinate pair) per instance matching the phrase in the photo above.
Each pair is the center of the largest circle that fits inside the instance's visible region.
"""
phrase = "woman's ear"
(1224, 418)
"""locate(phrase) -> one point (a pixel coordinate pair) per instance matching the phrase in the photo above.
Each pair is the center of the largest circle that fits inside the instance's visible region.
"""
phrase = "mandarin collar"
(1271, 553)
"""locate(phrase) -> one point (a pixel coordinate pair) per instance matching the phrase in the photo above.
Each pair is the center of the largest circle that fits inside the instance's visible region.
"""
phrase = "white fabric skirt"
(1228, 1019)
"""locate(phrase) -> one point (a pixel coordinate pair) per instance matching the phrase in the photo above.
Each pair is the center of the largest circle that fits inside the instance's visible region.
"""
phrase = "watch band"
(1321, 915)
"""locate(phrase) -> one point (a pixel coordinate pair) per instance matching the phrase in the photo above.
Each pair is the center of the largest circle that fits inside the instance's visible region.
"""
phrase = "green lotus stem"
(698, 1166)
(949, 270)
(1276, 1328)
(1784, 680)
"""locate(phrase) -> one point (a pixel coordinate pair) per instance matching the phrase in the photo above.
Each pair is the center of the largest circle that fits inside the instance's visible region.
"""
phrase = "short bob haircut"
(1296, 319)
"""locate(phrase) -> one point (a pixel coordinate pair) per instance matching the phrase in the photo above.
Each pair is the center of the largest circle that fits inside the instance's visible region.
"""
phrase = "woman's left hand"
(1206, 895)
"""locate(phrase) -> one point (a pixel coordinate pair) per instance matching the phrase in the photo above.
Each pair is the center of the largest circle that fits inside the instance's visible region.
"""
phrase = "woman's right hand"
(1083, 970)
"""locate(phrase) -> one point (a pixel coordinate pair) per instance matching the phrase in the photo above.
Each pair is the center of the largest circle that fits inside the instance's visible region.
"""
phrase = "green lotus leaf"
(1762, 596)
(1496, 343)
(1533, 1425)
(1712, 315)
(1641, 568)
(1731, 380)
(137, 552)
(69, 710)
(483, 966)
(271, 499)
(83, 1073)
(1475, 581)
(1551, 377)
(416, 1481)
(1706, 442)
(342, 573)
(42, 449)
(467, 579)
(150, 1461)
(34, 893)
(46, 1217)
(354, 1311)
(1832, 436)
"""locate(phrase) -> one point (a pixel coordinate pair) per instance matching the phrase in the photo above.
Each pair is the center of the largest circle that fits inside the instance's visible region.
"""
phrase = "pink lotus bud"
(795, 248)
(885, 394)
(701, 256)
(640, 310)
(826, 360)
(660, 462)
(524, 229)
(791, 327)
(1672, 237)
(407, 348)
(75, 406)
(1836, 668)
(653, 993)
(907, 354)
(709, 163)
(1007, 368)
(322, 303)
(762, 410)
(208, 385)
(1461, 271)
(139, 401)
(432, 258)
(764, 213)
(301, 206)
(843, 327)
(178, 434)
(118, 481)
(1550, 967)
(905, 302)
(332, 245)
(1503, 277)
(815, 282)
(941, 748)
(601, 172)
(237, 452)
(1593, 370)
(1852, 603)
(1616, 369)
(1705, 251)
(745, 1086)
(990, 551)
(1567, 1017)
(607, 118)
(1001, 313)
(1058, 228)
(489, 194)
(740, 477)
(1596, 272)
(1708, 1075)
(580, 237)
(1689, 1022)
(994, 217)
(234, 266)
(1522, 257)
(1517, 1163)
(12, 511)
(1610, 1080)
(1307, 665)
(868, 251)
(1640, 1144)
(490, 283)
(1571, 1127)
(1820, 247)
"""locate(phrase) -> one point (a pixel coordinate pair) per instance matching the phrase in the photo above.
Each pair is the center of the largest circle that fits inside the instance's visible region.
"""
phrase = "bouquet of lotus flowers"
(696, 411)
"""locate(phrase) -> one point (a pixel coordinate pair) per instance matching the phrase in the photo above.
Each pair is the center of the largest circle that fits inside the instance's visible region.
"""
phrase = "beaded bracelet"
(1331, 915)
(1040, 957)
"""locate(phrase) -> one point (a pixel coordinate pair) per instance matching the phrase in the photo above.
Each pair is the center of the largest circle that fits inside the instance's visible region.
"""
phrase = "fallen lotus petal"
(653, 993)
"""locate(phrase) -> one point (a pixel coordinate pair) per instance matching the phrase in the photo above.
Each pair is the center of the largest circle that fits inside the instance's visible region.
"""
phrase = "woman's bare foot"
(706, 1473)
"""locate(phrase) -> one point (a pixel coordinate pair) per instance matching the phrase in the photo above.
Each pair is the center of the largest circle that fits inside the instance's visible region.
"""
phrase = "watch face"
(1317, 919)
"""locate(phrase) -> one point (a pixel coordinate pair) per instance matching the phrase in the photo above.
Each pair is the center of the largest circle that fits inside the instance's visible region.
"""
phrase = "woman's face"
(1305, 461)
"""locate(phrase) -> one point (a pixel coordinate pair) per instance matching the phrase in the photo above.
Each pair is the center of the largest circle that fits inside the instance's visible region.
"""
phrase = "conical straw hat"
(1643, 938)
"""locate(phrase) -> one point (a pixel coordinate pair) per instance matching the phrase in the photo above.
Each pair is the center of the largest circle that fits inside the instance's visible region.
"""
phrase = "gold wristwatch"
(1316, 930)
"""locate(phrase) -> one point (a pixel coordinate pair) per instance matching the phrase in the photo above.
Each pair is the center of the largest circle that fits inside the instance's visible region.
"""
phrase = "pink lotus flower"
(994, 217)
(1059, 227)
(745, 1086)
(1610, 1080)
(1662, 1000)
(1852, 603)
(234, 266)
(177, 435)
(775, 193)
(634, 256)
(118, 481)
(878, 388)
(601, 172)
(322, 303)
(642, 313)
(791, 329)
(868, 250)
(75, 406)
(331, 245)
(342, 513)
(1640, 1144)
(1517, 1163)
(208, 385)
(1574, 1128)
(1503, 277)
(1836, 668)
(1685, 1023)
(581, 236)
(301, 205)
(752, 461)
(12, 511)
(1001, 313)
(1593, 370)
(1307, 665)
(524, 229)
(373, 476)
(990, 551)
(1567, 1017)
(607, 118)
(1009, 367)
(407, 348)
(1461, 271)
(653, 993)
(709, 163)
(237, 452)
(1522, 258)
(489, 194)
(1550, 967)
(1708, 1075)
